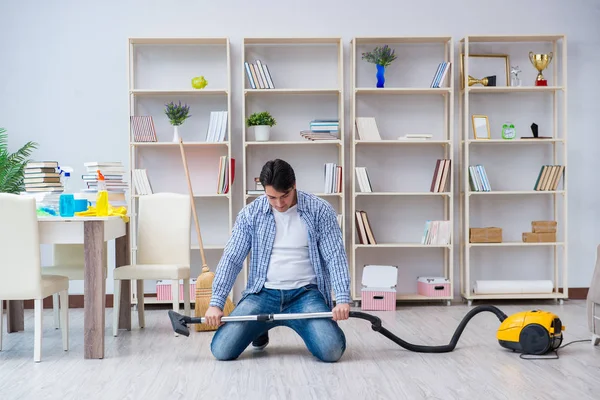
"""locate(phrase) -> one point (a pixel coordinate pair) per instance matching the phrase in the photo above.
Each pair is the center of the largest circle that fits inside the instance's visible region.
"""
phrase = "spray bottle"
(102, 197)
(66, 204)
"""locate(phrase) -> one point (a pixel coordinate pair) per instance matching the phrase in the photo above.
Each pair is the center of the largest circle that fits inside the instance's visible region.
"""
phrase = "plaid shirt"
(254, 231)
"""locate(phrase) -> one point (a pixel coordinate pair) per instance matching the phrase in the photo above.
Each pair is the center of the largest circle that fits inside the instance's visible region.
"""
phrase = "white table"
(92, 232)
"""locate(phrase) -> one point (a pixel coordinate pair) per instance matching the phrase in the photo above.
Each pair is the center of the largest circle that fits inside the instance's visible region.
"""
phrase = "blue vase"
(380, 76)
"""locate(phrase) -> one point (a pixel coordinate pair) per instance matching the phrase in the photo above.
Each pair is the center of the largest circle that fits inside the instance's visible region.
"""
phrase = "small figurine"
(514, 76)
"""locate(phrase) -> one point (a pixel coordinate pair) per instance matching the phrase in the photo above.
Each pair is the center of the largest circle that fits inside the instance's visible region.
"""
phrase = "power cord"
(555, 357)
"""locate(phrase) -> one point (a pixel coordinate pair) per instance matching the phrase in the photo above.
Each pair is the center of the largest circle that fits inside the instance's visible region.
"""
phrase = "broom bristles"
(203, 295)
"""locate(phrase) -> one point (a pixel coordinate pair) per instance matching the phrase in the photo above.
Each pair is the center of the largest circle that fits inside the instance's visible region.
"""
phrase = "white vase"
(176, 134)
(261, 132)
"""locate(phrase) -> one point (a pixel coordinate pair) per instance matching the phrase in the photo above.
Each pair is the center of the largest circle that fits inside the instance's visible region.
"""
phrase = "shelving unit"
(308, 80)
(161, 71)
(401, 171)
(513, 166)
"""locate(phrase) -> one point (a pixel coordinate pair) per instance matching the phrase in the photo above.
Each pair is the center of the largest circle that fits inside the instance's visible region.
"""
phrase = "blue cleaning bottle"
(66, 205)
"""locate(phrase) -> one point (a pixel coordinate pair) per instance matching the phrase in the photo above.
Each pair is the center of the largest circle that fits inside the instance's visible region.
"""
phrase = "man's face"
(281, 201)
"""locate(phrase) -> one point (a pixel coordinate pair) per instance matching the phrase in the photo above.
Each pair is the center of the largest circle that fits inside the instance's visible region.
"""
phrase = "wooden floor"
(153, 364)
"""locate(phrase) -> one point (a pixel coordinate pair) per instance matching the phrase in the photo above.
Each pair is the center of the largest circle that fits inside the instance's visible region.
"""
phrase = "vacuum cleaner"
(534, 332)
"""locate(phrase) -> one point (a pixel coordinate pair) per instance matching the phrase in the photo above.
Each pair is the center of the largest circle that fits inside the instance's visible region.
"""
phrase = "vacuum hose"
(376, 326)
(179, 323)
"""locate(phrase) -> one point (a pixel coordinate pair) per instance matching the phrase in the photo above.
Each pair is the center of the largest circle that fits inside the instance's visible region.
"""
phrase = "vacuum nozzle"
(179, 323)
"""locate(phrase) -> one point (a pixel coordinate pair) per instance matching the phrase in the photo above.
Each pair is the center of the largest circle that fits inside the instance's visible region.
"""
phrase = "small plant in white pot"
(262, 123)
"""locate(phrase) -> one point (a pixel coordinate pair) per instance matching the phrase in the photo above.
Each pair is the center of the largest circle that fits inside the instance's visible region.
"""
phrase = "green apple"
(199, 82)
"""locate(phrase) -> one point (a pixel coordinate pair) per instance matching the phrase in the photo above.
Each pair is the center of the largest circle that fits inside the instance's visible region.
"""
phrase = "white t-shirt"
(290, 266)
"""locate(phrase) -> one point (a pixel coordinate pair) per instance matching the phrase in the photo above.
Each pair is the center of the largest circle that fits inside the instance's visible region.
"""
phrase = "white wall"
(63, 72)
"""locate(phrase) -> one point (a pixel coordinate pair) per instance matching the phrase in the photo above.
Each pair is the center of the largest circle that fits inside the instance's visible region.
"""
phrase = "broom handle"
(197, 223)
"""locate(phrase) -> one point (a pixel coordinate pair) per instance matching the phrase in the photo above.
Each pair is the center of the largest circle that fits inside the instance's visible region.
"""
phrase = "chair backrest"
(594, 295)
(20, 263)
(164, 229)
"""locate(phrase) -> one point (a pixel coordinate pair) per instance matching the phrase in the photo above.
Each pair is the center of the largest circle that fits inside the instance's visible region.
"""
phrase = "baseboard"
(76, 300)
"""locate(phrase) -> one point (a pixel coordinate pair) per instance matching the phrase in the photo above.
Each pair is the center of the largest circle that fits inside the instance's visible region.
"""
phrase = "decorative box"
(485, 235)
(543, 226)
(433, 286)
(539, 237)
(378, 291)
(164, 293)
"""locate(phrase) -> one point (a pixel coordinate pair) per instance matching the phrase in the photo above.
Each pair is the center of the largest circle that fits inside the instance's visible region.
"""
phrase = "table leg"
(123, 257)
(15, 316)
(94, 289)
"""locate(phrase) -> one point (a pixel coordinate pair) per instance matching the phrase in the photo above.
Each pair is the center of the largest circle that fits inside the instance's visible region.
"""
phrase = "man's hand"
(341, 311)
(213, 316)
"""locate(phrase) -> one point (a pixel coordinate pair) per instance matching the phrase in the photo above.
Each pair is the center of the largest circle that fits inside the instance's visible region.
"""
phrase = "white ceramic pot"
(176, 134)
(262, 132)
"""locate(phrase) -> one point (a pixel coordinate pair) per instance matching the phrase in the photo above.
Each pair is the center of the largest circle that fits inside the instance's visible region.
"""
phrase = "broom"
(205, 279)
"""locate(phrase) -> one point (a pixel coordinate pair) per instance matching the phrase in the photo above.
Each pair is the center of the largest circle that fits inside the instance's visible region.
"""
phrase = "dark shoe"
(261, 342)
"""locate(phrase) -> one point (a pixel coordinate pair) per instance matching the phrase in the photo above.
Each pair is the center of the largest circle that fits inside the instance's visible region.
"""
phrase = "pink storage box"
(163, 290)
(378, 291)
(433, 286)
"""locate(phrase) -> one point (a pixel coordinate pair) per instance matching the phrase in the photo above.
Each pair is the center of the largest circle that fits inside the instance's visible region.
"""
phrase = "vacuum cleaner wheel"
(535, 339)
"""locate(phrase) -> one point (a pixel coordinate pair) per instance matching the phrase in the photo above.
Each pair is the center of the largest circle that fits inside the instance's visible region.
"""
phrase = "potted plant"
(12, 166)
(382, 57)
(262, 123)
(177, 115)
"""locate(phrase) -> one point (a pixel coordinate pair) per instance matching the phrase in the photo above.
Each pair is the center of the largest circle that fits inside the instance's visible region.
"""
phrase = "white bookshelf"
(401, 171)
(308, 79)
(512, 166)
(160, 71)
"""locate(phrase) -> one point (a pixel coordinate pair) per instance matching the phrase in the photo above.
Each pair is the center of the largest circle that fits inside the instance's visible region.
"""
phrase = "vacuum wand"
(179, 323)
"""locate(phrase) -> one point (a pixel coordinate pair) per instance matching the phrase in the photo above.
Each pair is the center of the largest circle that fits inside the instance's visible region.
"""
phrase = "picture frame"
(484, 65)
(481, 127)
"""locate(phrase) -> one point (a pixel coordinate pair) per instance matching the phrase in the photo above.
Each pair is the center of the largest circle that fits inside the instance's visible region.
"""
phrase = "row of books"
(437, 232)
(549, 177)
(333, 178)
(225, 168)
(440, 74)
(441, 176)
(141, 182)
(217, 126)
(142, 128)
(478, 180)
(363, 228)
(362, 177)
(259, 76)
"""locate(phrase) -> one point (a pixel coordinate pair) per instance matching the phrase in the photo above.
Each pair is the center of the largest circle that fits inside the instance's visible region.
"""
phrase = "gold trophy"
(540, 62)
(486, 81)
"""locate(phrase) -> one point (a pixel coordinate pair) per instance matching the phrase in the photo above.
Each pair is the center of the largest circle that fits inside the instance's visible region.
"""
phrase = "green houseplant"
(177, 115)
(262, 123)
(382, 57)
(12, 166)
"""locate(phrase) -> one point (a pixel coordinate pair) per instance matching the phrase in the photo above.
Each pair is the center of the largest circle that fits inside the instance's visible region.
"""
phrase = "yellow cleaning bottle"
(102, 197)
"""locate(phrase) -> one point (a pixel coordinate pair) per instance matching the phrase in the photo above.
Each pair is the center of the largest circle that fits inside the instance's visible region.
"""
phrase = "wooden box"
(543, 226)
(539, 237)
(485, 235)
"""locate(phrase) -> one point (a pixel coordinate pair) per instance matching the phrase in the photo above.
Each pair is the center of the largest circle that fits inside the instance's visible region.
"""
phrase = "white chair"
(163, 250)
(593, 302)
(67, 260)
(20, 270)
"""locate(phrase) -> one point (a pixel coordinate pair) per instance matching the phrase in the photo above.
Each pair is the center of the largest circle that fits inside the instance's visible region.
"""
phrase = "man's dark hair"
(279, 174)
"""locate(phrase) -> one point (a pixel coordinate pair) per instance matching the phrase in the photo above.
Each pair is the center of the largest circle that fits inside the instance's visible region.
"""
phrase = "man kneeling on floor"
(297, 255)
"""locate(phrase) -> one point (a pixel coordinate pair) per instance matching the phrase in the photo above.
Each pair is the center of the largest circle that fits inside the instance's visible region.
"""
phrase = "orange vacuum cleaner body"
(531, 332)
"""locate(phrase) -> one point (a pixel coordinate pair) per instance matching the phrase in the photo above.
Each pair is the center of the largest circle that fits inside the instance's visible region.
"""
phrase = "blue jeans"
(322, 336)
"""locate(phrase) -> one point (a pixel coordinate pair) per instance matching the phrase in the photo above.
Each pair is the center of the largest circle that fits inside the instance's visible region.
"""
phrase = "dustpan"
(205, 279)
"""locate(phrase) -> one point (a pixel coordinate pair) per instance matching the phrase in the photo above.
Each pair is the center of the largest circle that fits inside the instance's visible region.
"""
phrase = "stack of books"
(113, 172)
(322, 129)
(42, 176)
